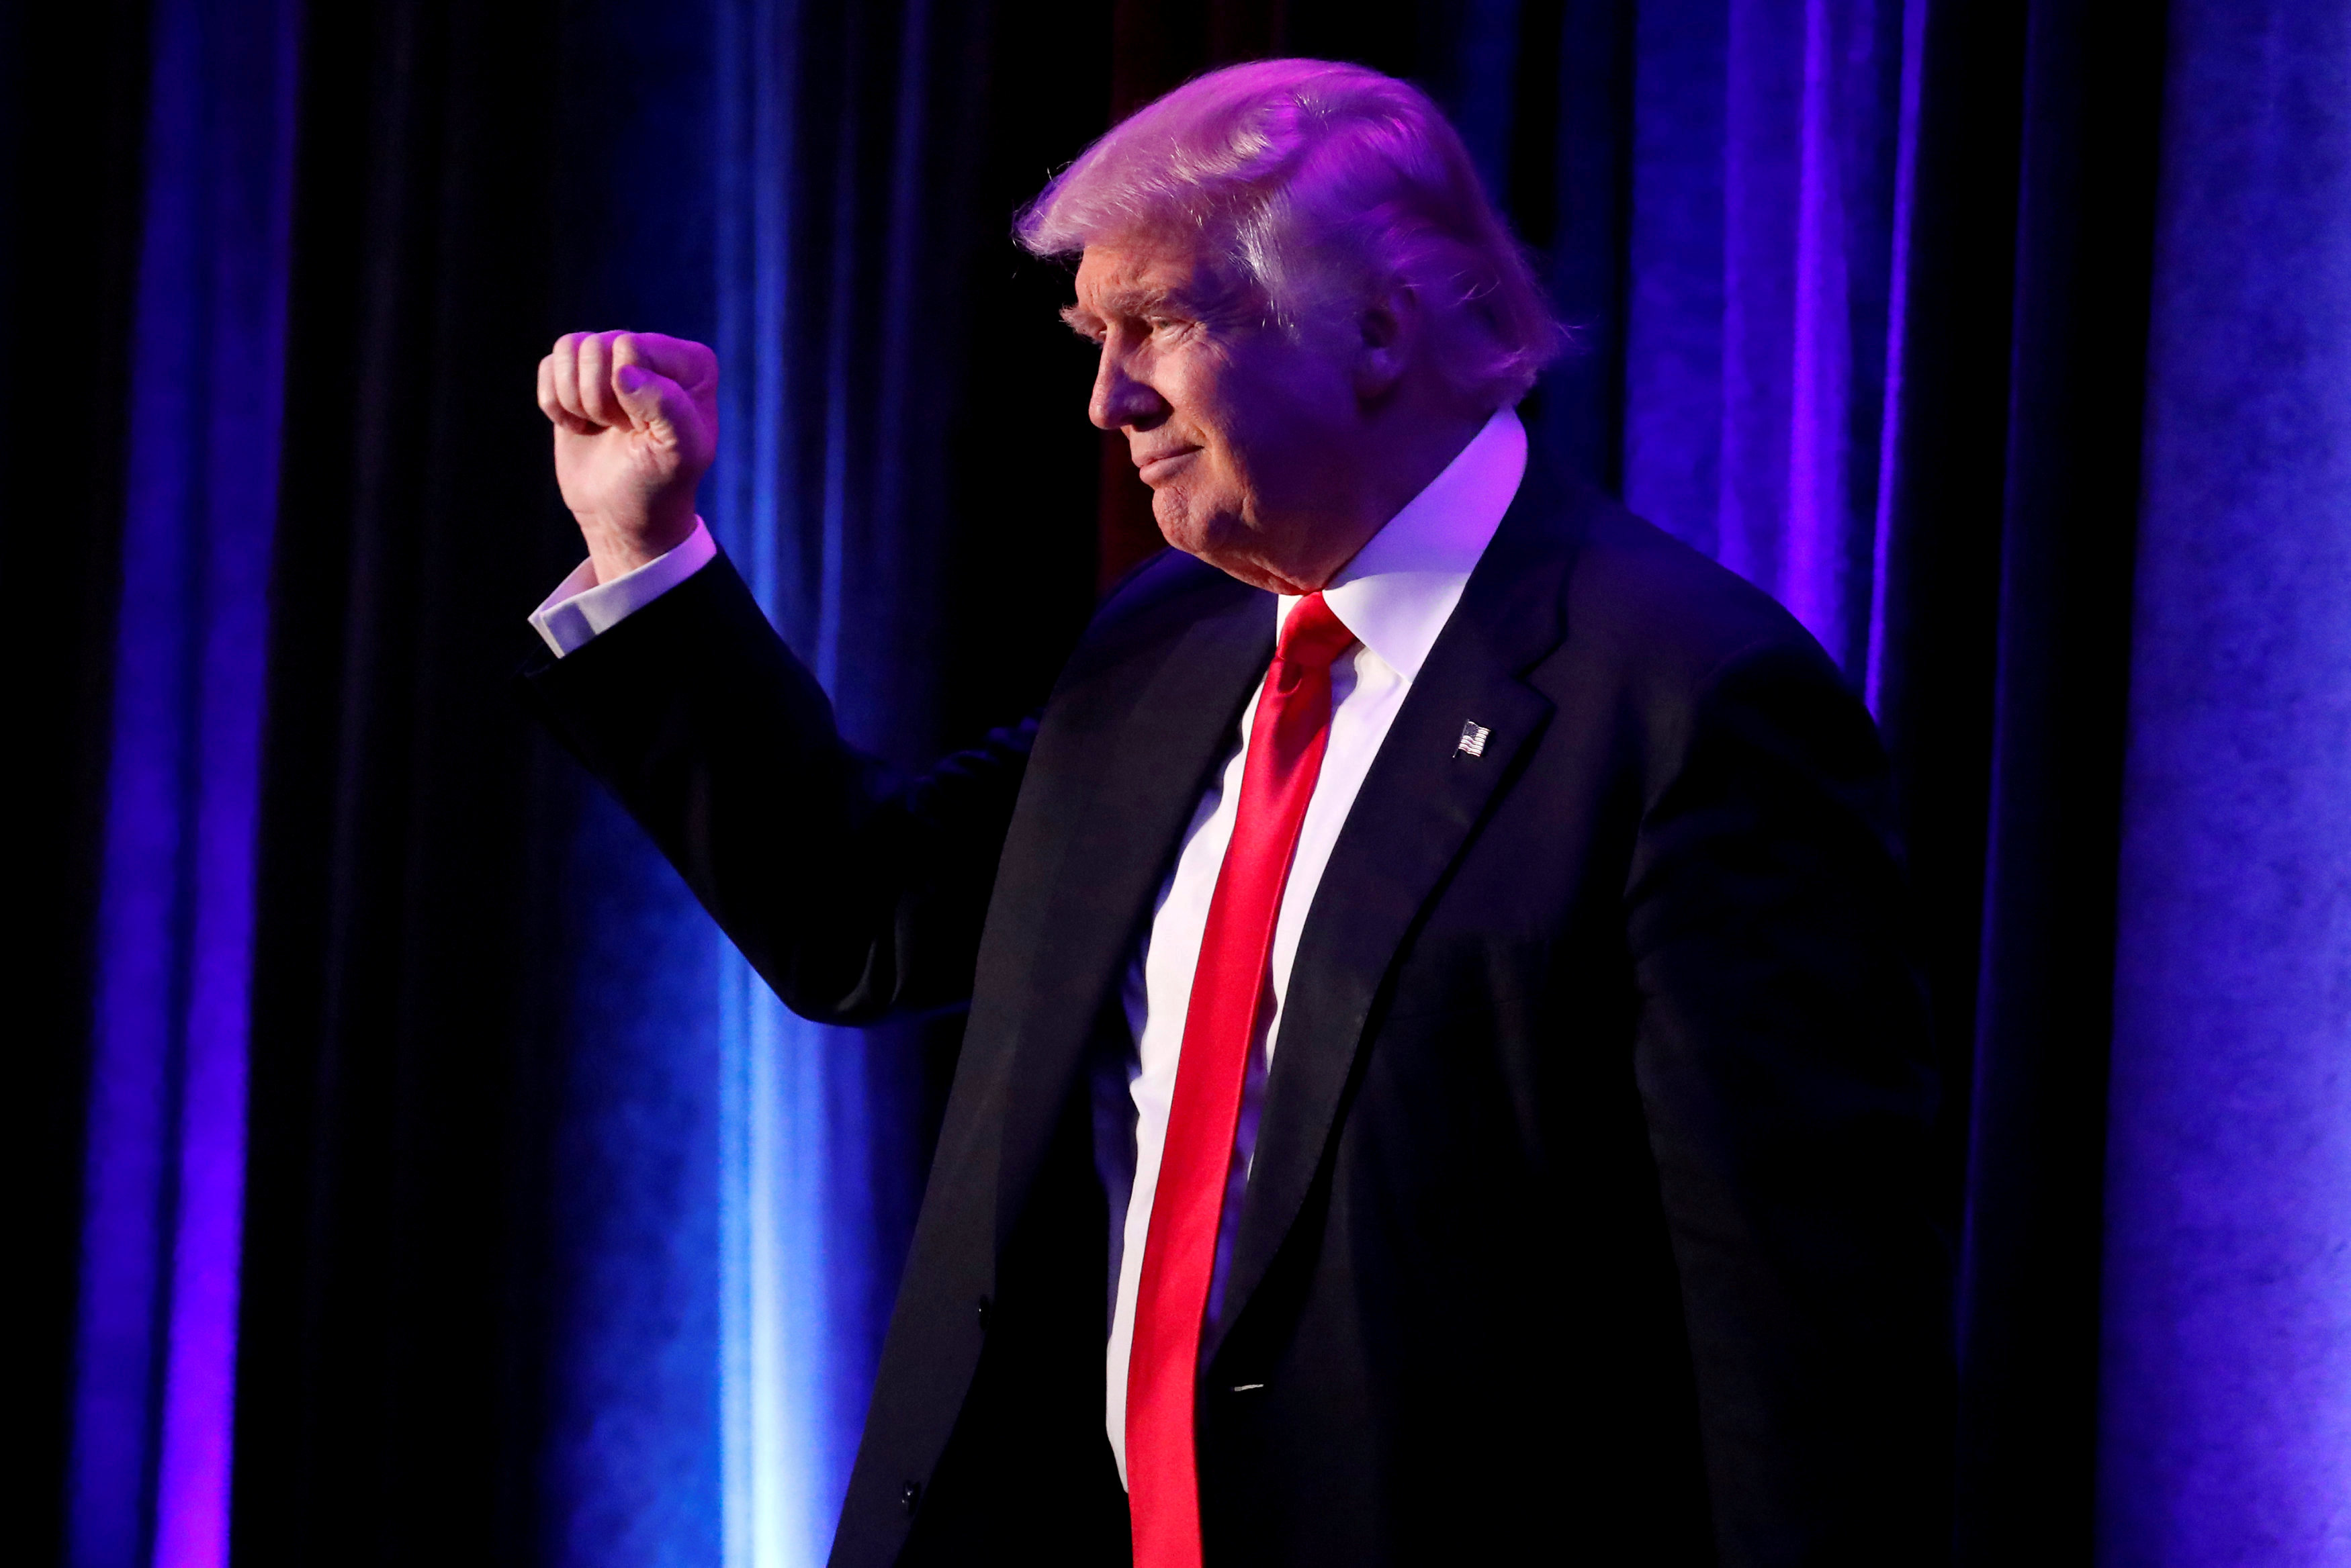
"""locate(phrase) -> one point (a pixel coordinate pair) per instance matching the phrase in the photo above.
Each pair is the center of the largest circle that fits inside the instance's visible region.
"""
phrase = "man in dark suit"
(1443, 1082)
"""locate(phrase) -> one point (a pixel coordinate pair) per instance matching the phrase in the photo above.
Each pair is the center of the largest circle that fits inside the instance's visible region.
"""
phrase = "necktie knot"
(1312, 640)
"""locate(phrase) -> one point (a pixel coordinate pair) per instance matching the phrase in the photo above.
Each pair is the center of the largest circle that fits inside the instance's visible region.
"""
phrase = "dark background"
(459, 201)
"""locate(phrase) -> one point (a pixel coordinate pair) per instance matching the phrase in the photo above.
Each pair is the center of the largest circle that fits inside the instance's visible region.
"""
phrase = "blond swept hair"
(1316, 183)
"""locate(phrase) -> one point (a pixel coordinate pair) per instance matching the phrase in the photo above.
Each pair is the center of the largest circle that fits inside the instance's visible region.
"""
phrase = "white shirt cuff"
(580, 608)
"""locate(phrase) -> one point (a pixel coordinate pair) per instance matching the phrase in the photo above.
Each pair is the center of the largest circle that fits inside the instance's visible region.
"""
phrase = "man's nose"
(1120, 398)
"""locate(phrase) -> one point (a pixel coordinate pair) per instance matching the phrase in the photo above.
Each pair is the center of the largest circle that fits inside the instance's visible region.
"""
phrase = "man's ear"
(1388, 331)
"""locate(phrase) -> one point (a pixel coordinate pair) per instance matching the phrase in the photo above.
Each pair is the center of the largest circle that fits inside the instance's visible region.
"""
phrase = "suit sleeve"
(1783, 1062)
(852, 891)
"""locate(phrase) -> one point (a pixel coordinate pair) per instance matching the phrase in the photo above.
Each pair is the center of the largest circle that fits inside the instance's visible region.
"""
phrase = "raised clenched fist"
(636, 423)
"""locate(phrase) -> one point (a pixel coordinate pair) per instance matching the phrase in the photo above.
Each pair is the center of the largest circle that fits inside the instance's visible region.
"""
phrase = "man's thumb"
(648, 398)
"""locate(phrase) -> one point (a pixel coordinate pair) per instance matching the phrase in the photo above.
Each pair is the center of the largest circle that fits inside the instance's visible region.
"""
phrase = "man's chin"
(1178, 524)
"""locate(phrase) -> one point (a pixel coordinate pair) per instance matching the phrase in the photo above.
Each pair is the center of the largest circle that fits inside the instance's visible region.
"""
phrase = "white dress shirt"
(1396, 595)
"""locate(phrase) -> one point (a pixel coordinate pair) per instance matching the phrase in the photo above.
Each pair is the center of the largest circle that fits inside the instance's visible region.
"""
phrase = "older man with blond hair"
(1443, 1082)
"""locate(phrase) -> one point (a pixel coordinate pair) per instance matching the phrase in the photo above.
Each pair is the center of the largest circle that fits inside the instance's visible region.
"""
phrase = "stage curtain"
(2000, 340)
(2225, 1373)
(162, 508)
(565, 1242)
(70, 233)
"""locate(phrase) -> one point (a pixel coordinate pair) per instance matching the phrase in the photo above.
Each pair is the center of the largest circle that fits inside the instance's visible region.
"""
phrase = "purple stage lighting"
(166, 1174)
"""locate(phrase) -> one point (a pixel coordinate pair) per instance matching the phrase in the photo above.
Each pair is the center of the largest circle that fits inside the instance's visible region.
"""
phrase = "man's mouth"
(1157, 467)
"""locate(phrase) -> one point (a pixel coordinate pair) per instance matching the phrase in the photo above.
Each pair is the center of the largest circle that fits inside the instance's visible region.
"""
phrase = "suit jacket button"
(984, 1304)
(912, 1497)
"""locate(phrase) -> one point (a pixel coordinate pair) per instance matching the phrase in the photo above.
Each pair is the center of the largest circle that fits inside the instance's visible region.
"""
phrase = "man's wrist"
(590, 603)
(615, 550)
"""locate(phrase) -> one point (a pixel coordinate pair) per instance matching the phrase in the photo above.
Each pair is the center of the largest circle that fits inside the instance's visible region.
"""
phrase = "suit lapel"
(1140, 753)
(1418, 807)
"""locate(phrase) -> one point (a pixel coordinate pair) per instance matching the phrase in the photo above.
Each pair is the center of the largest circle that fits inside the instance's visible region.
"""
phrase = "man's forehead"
(1130, 277)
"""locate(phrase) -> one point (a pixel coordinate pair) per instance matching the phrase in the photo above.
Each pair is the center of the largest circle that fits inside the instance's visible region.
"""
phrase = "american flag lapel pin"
(1473, 741)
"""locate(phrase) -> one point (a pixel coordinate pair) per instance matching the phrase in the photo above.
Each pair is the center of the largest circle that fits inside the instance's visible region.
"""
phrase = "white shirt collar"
(1398, 592)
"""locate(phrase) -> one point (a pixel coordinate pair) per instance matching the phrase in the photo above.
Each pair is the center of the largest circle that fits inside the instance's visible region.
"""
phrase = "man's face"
(1241, 428)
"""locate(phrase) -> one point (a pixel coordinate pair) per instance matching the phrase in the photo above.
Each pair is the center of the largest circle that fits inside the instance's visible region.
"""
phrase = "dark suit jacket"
(1590, 1218)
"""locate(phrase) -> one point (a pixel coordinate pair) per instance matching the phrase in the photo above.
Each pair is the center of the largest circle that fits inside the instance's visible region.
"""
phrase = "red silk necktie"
(1228, 990)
